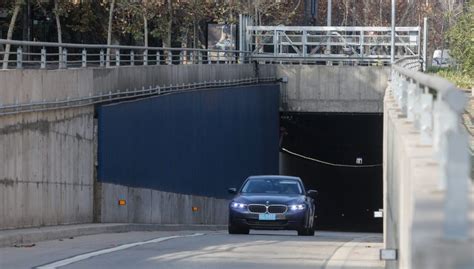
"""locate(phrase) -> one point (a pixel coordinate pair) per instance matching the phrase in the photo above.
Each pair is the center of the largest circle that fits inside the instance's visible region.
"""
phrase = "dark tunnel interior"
(348, 196)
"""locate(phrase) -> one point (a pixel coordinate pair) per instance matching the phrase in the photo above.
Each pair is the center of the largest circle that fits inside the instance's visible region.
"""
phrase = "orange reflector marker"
(122, 202)
(195, 209)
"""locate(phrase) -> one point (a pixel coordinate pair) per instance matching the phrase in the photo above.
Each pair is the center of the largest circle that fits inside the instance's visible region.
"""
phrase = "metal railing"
(318, 43)
(124, 95)
(435, 106)
(46, 55)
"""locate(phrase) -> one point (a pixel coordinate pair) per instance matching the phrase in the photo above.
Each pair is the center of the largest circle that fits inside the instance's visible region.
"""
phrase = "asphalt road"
(260, 249)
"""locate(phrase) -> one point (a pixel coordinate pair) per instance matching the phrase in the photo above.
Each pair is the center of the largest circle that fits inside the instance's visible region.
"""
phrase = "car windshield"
(272, 186)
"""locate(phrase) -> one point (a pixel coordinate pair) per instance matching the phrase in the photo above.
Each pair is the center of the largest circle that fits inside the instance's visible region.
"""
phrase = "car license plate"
(266, 216)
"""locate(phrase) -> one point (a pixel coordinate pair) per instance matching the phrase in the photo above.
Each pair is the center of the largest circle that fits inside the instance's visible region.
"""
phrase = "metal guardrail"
(125, 95)
(435, 106)
(46, 55)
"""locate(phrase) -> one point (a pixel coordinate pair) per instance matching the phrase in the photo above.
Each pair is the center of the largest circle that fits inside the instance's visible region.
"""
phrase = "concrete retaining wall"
(413, 203)
(152, 206)
(319, 88)
(46, 168)
(47, 158)
(128, 77)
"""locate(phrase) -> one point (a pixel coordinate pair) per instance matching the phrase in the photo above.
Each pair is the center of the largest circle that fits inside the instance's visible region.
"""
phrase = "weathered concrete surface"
(47, 158)
(24, 86)
(129, 77)
(413, 203)
(46, 173)
(152, 206)
(318, 88)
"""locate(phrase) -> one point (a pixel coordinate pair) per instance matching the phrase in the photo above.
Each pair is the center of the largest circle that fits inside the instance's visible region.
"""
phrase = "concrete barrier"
(319, 88)
(153, 206)
(413, 202)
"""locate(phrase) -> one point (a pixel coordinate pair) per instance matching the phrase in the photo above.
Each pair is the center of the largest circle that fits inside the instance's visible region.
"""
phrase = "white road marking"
(109, 250)
(340, 257)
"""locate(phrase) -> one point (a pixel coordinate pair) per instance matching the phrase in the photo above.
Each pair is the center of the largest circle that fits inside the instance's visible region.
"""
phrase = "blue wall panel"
(198, 142)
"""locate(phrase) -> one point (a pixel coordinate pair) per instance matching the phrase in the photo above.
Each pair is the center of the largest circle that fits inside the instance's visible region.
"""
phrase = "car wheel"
(303, 232)
(237, 230)
(306, 231)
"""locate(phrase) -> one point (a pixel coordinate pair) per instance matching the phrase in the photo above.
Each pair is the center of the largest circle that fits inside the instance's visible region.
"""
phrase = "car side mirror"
(312, 193)
(232, 190)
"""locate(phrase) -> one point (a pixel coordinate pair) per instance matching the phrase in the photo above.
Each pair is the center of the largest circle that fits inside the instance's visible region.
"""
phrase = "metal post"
(329, 12)
(275, 43)
(117, 57)
(132, 58)
(304, 40)
(84, 58)
(107, 58)
(145, 57)
(43, 58)
(158, 58)
(64, 64)
(101, 58)
(392, 50)
(170, 57)
(60, 57)
(425, 42)
(329, 23)
(241, 36)
(19, 58)
(181, 57)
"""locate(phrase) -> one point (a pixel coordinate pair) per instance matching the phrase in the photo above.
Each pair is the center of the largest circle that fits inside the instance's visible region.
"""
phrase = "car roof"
(274, 176)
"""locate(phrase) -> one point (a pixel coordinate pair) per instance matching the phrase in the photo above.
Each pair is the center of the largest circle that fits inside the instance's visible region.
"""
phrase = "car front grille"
(274, 209)
(277, 209)
(257, 208)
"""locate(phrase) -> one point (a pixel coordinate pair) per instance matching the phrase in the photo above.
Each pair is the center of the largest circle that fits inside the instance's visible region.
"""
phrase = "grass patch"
(462, 80)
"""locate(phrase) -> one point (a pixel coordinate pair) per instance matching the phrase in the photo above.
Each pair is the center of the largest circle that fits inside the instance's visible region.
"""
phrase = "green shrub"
(461, 41)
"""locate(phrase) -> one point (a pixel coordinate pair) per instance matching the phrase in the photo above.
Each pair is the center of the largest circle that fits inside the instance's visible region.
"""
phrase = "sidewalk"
(31, 235)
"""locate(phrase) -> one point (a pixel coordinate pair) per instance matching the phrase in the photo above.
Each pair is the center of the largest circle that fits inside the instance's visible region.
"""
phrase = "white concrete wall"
(46, 168)
(320, 88)
(413, 203)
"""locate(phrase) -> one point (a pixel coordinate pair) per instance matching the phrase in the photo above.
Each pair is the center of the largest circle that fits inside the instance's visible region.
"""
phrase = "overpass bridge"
(165, 131)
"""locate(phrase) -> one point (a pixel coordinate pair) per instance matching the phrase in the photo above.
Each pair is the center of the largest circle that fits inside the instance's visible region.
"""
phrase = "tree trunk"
(170, 24)
(145, 24)
(58, 21)
(109, 30)
(58, 28)
(6, 56)
(145, 30)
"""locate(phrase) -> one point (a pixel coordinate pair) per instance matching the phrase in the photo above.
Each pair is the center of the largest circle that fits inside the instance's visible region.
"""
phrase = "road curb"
(10, 238)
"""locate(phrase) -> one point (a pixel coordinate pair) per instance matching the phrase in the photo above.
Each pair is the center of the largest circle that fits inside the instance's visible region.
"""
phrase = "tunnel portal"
(350, 183)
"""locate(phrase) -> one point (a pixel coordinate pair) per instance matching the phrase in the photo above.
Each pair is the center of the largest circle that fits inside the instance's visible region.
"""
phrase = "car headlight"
(237, 205)
(297, 207)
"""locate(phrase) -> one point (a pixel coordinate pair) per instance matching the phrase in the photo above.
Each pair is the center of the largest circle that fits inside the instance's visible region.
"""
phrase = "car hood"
(272, 199)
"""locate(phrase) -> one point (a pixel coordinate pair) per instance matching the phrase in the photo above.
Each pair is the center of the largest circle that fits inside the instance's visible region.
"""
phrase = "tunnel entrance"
(350, 183)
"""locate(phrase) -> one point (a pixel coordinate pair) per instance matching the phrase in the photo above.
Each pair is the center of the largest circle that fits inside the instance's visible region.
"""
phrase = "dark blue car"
(272, 203)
